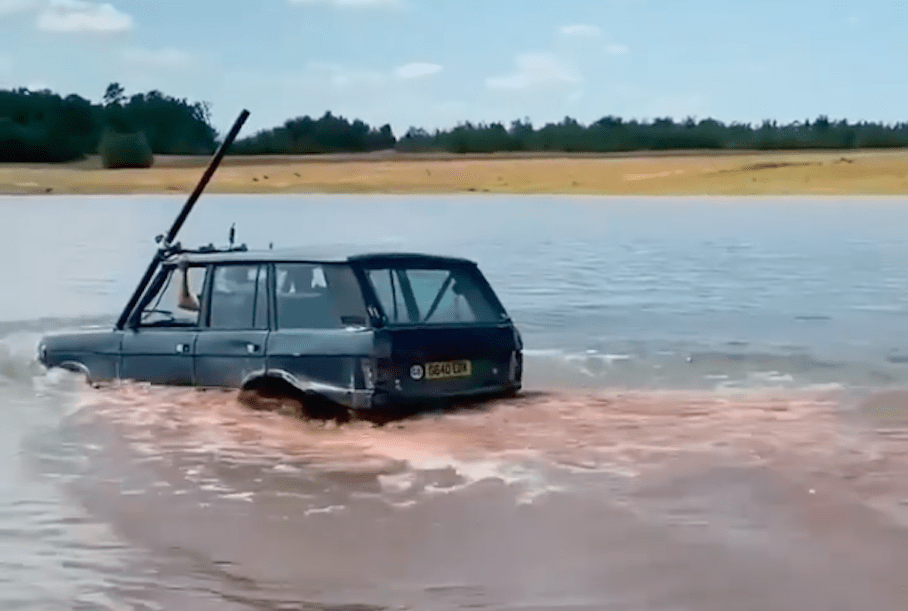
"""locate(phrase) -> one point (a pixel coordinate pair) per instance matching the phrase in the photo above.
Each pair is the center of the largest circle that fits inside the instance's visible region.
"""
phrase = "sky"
(435, 63)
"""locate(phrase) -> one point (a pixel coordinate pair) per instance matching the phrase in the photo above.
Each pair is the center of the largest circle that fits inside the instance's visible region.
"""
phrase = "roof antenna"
(232, 234)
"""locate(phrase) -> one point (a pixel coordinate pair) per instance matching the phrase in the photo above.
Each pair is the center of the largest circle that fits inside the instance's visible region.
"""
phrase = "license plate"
(447, 369)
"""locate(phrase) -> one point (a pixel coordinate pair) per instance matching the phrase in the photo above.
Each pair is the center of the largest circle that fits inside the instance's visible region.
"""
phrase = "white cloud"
(351, 3)
(8, 7)
(582, 30)
(417, 70)
(535, 70)
(166, 59)
(616, 49)
(82, 16)
(6, 64)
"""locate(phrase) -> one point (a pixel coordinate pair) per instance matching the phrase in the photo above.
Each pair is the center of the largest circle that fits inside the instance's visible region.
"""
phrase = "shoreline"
(649, 173)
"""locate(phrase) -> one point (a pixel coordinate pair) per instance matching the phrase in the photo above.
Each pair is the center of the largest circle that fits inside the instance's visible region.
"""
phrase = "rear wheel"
(278, 395)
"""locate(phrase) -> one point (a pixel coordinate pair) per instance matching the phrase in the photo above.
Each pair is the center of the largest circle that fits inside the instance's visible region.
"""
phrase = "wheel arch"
(77, 367)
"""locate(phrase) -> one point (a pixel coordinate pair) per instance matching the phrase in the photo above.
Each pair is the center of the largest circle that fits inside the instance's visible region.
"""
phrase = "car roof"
(312, 255)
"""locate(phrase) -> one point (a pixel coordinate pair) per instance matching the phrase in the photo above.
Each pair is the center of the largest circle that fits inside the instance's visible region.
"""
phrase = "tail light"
(514, 367)
(367, 366)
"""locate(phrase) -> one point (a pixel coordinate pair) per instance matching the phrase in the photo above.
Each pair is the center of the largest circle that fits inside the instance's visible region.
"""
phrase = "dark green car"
(366, 333)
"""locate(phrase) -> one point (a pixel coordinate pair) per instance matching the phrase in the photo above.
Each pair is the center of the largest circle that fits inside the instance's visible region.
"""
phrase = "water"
(714, 418)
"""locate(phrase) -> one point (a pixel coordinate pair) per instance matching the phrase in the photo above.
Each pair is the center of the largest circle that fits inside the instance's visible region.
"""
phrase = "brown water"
(699, 433)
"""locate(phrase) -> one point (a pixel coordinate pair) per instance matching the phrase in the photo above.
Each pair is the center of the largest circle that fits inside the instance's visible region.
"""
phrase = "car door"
(231, 345)
(157, 346)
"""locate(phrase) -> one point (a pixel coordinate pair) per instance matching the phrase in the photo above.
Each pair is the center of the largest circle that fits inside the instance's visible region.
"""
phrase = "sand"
(852, 172)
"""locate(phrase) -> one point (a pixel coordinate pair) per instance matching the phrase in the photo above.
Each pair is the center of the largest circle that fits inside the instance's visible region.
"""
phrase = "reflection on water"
(715, 418)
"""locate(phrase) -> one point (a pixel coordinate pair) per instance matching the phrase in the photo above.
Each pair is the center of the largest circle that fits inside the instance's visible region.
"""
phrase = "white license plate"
(448, 369)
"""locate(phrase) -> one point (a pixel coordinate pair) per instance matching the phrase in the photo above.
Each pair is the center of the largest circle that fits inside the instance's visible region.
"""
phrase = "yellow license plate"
(448, 369)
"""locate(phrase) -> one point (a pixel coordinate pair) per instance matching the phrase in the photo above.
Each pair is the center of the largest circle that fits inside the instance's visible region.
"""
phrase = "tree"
(114, 94)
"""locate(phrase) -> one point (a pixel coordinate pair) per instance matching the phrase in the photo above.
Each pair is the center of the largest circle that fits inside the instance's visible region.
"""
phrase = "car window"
(434, 290)
(239, 297)
(431, 295)
(164, 308)
(311, 296)
(387, 287)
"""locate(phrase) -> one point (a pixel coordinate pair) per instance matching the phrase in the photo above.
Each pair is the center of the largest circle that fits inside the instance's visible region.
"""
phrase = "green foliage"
(131, 150)
(41, 126)
(304, 135)
(612, 134)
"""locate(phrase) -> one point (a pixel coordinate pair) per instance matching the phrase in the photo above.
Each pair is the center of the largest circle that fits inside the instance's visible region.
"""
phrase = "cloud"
(417, 70)
(582, 30)
(160, 59)
(535, 70)
(351, 3)
(616, 49)
(8, 7)
(82, 16)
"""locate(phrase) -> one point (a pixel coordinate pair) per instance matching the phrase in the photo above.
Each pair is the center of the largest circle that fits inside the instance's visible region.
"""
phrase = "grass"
(691, 173)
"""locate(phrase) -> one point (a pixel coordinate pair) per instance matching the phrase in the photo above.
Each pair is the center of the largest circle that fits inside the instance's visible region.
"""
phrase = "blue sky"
(433, 63)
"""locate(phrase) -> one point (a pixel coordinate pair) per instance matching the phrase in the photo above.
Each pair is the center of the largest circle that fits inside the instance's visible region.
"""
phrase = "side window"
(387, 287)
(437, 295)
(239, 297)
(311, 296)
(166, 308)
(434, 295)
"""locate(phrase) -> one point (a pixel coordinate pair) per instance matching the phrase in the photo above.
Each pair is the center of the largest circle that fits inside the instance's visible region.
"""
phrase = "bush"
(130, 150)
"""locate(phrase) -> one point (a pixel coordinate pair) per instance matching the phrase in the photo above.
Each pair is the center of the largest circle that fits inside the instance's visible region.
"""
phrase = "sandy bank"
(688, 173)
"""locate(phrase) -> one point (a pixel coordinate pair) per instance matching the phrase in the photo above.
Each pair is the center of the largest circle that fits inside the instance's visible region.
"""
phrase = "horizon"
(423, 64)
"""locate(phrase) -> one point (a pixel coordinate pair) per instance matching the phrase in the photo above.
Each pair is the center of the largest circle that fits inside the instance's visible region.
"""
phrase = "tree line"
(613, 134)
(42, 126)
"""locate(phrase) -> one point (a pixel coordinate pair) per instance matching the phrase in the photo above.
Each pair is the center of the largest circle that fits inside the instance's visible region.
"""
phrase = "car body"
(365, 332)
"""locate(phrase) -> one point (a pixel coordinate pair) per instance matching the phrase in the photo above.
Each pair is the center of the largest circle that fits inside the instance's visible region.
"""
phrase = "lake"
(713, 418)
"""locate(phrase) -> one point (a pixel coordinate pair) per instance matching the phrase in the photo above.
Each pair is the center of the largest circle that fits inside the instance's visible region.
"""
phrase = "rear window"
(311, 296)
(437, 295)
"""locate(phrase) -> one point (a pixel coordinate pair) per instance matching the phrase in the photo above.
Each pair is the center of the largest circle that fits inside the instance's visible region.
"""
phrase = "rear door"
(231, 344)
(447, 332)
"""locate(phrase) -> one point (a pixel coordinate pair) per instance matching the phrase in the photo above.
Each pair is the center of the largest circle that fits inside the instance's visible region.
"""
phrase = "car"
(366, 333)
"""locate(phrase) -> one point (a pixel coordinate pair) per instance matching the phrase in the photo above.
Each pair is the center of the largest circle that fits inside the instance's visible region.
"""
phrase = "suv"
(368, 333)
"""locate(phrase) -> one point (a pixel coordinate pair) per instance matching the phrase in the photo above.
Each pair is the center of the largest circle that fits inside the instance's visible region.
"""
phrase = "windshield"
(437, 295)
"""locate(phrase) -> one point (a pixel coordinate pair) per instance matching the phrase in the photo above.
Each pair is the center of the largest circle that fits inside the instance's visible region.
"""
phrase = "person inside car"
(187, 300)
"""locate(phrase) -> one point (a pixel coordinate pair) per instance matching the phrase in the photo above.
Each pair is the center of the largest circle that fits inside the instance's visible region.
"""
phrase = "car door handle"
(252, 348)
(182, 348)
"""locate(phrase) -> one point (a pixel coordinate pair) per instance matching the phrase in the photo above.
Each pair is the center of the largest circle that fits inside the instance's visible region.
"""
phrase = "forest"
(43, 126)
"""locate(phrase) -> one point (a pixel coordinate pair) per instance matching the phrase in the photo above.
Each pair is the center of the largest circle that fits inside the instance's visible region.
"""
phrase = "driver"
(187, 300)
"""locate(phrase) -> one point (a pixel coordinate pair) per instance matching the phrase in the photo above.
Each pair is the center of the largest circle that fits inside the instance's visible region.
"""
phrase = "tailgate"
(443, 361)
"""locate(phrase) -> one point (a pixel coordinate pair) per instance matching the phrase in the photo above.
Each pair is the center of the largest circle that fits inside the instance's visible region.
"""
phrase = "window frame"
(165, 274)
(368, 310)
(208, 293)
(471, 271)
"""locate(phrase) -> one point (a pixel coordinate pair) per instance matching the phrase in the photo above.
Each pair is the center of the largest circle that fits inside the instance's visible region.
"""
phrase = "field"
(851, 172)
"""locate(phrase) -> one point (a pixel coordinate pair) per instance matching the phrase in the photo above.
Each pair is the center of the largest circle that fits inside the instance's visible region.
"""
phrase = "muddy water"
(715, 418)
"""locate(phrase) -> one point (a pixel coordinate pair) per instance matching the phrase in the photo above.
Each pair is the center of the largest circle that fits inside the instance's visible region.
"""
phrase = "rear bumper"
(378, 400)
